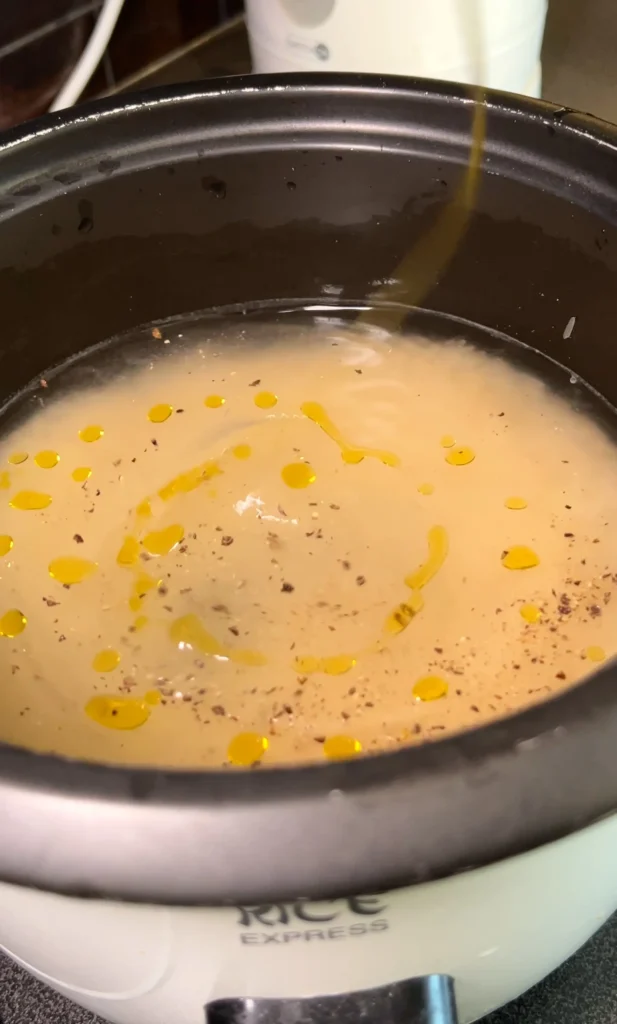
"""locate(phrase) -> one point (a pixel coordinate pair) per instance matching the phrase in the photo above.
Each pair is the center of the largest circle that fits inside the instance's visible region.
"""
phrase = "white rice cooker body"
(497, 930)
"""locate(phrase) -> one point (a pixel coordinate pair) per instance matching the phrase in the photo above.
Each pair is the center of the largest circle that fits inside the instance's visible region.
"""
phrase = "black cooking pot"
(253, 189)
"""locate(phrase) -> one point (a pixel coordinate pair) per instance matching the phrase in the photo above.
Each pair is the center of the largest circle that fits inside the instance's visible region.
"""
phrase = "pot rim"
(379, 822)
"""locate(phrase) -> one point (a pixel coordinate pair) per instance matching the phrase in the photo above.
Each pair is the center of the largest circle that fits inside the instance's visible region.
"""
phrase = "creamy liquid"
(299, 548)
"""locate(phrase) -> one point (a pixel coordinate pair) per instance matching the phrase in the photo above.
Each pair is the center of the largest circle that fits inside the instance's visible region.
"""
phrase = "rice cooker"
(435, 881)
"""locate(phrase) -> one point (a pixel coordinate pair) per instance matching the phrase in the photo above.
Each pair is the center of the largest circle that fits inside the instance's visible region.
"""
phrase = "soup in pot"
(255, 543)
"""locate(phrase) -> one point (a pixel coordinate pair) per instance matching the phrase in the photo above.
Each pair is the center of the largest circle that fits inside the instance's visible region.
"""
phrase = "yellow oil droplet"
(12, 623)
(307, 664)
(265, 400)
(246, 749)
(129, 552)
(531, 613)
(338, 748)
(16, 458)
(594, 653)
(349, 452)
(437, 553)
(447, 441)
(29, 501)
(334, 665)
(189, 480)
(516, 504)
(298, 474)
(90, 434)
(430, 688)
(242, 451)
(47, 459)
(106, 661)
(144, 509)
(160, 413)
(460, 456)
(5, 480)
(81, 474)
(161, 542)
(399, 619)
(142, 585)
(519, 557)
(118, 712)
(338, 664)
(188, 631)
(214, 401)
(6, 544)
(426, 489)
(140, 623)
(152, 697)
(70, 569)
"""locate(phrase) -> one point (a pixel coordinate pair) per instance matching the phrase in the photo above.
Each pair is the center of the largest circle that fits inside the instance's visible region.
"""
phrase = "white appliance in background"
(495, 43)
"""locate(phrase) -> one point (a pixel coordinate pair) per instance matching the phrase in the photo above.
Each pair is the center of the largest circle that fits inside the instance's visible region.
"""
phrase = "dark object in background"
(41, 41)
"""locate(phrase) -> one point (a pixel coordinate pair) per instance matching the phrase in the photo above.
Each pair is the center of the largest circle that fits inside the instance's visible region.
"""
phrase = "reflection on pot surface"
(289, 535)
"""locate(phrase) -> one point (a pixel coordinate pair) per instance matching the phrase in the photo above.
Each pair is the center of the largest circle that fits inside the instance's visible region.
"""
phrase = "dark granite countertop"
(582, 991)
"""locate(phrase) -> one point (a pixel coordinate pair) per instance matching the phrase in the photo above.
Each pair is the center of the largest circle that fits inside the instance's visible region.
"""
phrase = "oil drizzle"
(188, 631)
(161, 542)
(531, 613)
(141, 587)
(106, 661)
(460, 456)
(12, 623)
(519, 557)
(5, 480)
(69, 569)
(189, 480)
(349, 453)
(426, 489)
(298, 475)
(425, 262)
(246, 748)
(399, 619)
(118, 712)
(160, 413)
(265, 400)
(144, 509)
(47, 459)
(430, 688)
(30, 501)
(91, 433)
(595, 653)
(437, 554)
(214, 401)
(241, 451)
(516, 504)
(129, 552)
(81, 474)
(335, 665)
(16, 458)
(339, 748)
(6, 544)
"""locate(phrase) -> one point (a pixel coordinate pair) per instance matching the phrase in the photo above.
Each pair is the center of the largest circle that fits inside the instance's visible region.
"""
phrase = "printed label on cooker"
(326, 920)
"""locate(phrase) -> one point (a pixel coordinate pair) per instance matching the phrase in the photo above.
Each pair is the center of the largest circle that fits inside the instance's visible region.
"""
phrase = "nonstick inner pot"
(261, 189)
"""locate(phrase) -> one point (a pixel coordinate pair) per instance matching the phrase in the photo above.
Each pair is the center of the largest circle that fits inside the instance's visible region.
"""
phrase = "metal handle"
(425, 1000)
